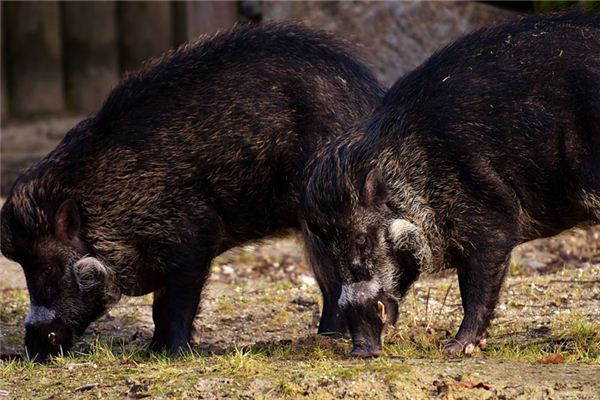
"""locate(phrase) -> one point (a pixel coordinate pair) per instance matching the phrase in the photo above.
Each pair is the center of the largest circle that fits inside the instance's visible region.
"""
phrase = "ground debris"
(472, 385)
(304, 302)
(256, 338)
(137, 391)
(553, 358)
(442, 387)
(72, 366)
(88, 386)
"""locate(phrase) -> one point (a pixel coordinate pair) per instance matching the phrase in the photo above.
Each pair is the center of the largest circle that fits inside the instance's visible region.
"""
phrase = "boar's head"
(348, 216)
(67, 284)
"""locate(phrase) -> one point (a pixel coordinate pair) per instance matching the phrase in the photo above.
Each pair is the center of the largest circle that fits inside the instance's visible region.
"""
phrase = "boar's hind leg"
(176, 304)
(480, 279)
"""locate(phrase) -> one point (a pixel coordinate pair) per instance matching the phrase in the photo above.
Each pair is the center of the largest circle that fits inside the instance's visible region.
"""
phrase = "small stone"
(307, 280)
(534, 264)
(227, 269)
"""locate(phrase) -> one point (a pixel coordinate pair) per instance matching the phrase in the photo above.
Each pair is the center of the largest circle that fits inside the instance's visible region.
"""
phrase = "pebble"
(307, 280)
(227, 269)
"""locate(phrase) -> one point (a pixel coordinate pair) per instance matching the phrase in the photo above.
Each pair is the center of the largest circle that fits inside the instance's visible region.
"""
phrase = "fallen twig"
(574, 281)
(443, 302)
(87, 387)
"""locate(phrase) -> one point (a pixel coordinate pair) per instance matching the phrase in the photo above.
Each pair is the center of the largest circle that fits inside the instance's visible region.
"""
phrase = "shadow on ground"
(255, 337)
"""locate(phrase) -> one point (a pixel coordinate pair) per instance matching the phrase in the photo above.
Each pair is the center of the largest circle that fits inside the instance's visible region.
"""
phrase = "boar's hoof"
(483, 344)
(456, 348)
(365, 353)
(470, 349)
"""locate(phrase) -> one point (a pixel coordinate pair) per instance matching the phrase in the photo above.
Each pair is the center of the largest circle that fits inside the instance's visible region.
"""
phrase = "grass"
(423, 330)
(112, 370)
(282, 358)
(311, 366)
(573, 337)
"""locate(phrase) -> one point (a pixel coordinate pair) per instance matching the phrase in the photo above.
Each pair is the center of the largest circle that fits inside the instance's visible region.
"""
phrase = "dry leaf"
(553, 358)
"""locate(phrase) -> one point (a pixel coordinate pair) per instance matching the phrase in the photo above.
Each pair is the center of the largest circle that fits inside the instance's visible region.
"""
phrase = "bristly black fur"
(200, 151)
(493, 141)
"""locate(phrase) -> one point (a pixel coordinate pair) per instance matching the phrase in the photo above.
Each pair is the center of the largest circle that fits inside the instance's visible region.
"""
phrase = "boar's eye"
(47, 269)
(361, 239)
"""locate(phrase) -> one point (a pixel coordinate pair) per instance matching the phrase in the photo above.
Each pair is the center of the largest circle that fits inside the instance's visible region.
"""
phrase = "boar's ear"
(67, 221)
(374, 192)
(405, 235)
(89, 273)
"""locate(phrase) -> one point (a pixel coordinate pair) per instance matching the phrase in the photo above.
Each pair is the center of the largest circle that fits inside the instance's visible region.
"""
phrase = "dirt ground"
(255, 337)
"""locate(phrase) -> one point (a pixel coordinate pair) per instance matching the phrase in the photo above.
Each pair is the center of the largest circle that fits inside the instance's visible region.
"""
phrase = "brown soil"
(264, 297)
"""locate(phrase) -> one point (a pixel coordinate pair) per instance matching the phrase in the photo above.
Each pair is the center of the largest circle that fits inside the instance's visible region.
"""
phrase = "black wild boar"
(200, 151)
(493, 141)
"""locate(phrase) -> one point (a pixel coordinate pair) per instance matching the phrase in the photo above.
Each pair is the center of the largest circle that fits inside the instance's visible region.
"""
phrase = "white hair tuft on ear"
(90, 272)
(407, 236)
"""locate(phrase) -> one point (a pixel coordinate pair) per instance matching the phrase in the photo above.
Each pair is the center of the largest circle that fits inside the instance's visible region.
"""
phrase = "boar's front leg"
(175, 306)
(480, 277)
(332, 322)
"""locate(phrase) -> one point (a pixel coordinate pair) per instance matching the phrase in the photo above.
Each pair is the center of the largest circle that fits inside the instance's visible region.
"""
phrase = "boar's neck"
(409, 199)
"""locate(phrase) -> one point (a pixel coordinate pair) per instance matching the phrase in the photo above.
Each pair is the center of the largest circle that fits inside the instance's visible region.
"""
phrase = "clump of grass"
(13, 305)
(417, 342)
(571, 335)
(390, 370)
(17, 366)
(282, 286)
(580, 338)
(516, 268)
(246, 256)
(286, 387)
(243, 363)
(224, 305)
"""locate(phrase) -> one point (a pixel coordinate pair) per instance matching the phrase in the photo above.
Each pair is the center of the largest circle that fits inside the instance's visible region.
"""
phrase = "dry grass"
(256, 340)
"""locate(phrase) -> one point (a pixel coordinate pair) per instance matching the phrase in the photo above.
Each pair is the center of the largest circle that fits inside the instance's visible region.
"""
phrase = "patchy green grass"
(256, 339)
(281, 369)
(576, 341)
(317, 368)
(302, 364)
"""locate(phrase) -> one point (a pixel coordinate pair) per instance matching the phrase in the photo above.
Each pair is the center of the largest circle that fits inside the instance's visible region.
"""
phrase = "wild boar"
(493, 141)
(200, 151)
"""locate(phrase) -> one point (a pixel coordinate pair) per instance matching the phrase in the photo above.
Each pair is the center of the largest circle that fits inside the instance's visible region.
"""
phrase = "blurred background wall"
(61, 59)
(66, 56)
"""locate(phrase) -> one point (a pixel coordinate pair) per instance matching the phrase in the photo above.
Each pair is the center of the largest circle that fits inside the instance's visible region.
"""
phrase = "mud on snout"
(368, 310)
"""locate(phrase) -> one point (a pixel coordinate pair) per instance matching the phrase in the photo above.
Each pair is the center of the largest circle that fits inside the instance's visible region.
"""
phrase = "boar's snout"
(366, 348)
(47, 338)
(368, 310)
